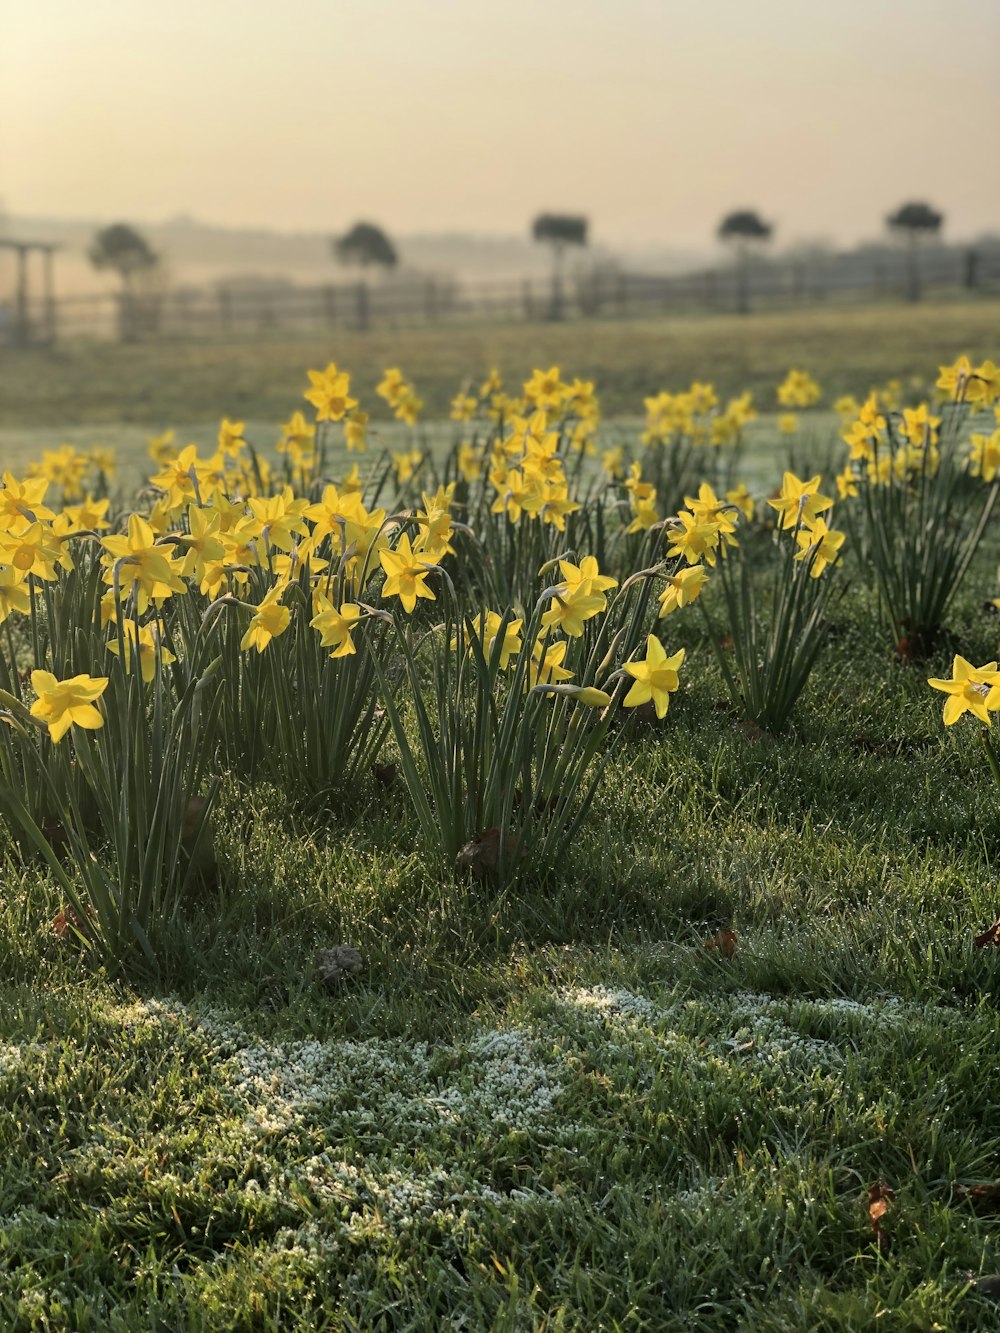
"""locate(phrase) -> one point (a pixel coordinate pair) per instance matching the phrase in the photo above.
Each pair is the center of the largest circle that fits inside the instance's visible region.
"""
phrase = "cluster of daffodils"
(224, 529)
(287, 542)
(882, 453)
(801, 508)
(695, 416)
(797, 391)
(527, 472)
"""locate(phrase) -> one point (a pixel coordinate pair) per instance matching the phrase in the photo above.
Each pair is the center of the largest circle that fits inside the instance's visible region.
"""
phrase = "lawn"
(163, 384)
(555, 1108)
(553, 1105)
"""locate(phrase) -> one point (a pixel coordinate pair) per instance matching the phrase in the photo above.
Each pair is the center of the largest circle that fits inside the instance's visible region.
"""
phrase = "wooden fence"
(186, 313)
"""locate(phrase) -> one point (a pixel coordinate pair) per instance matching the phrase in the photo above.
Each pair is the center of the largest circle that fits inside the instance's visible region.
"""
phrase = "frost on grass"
(495, 1081)
(312, 1145)
(799, 1035)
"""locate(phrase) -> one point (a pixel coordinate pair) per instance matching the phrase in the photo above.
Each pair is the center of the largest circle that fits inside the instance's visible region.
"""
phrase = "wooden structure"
(26, 328)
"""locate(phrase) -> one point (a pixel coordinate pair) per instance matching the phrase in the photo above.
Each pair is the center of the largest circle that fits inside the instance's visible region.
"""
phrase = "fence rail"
(224, 311)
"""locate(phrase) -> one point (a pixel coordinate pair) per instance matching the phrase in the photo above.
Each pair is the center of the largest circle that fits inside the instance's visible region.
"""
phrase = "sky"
(651, 117)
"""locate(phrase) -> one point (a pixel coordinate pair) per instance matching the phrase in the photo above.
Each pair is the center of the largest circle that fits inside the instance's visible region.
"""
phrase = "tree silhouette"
(126, 252)
(744, 230)
(559, 230)
(914, 222)
(365, 245)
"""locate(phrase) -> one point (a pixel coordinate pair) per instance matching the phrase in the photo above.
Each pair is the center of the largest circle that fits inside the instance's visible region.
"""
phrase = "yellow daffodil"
(682, 589)
(546, 667)
(545, 389)
(34, 549)
(695, 539)
(14, 595)
(142, 563)
(974, 690)
(150, 649)
(742, 500)
(270, 619)
(655, 677)
(819, 544)
(571, 608)
(799, 502)
(21, 501)
(406, 575)
(355, 431)
(487, 635)
(330, 393)
(335, 626)
(984, 455)
(62, 704)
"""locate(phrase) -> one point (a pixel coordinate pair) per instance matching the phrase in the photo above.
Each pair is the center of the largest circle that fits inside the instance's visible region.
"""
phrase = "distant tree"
(124, 250)
(365, 245)
(744, 231)
(559, 230)
(914, 222)
(127, 253)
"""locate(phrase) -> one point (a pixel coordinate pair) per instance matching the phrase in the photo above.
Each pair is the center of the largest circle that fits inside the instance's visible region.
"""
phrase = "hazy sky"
(652, 116)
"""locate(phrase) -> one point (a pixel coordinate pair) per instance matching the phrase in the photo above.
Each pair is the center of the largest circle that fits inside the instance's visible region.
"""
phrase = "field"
(173, 384)
(728, 1060)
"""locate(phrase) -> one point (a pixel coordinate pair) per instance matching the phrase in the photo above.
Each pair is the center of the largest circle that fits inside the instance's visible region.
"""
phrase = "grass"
(173, 384)
(554, 1108)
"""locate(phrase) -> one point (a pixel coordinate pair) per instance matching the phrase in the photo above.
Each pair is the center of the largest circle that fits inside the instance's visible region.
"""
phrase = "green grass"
(553, 1108)
(550, 1108)
(173, 384)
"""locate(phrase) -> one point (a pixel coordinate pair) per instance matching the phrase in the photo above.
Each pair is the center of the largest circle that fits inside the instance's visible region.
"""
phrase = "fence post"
(330, 304)
(430, 301)
(971, 270)
(49, 297)
(361, 306)
(22, 328)
(529, 305)
(622, 294)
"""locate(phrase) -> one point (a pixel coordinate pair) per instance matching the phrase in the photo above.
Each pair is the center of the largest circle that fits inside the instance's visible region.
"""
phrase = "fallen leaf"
(989, 938)
(724, 941)
(879, 1198)
(481, 855)
(69, 922)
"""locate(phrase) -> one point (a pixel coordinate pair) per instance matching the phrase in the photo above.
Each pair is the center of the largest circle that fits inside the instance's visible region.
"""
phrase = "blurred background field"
(173, 384)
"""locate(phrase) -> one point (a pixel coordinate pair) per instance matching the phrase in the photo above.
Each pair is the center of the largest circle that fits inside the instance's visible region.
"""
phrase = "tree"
(126, 252)
(914, 222)
(364, 245)
(123, 249)
(559, 230)
(745, 231)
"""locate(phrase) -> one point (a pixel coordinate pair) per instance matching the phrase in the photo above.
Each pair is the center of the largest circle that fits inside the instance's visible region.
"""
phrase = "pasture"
(710, 1045)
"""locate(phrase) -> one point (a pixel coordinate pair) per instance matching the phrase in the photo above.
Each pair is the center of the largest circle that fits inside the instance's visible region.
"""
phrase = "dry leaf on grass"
(724, 941)
(481, 855)
(69, 922)
(879, 1198)
(989, 938)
